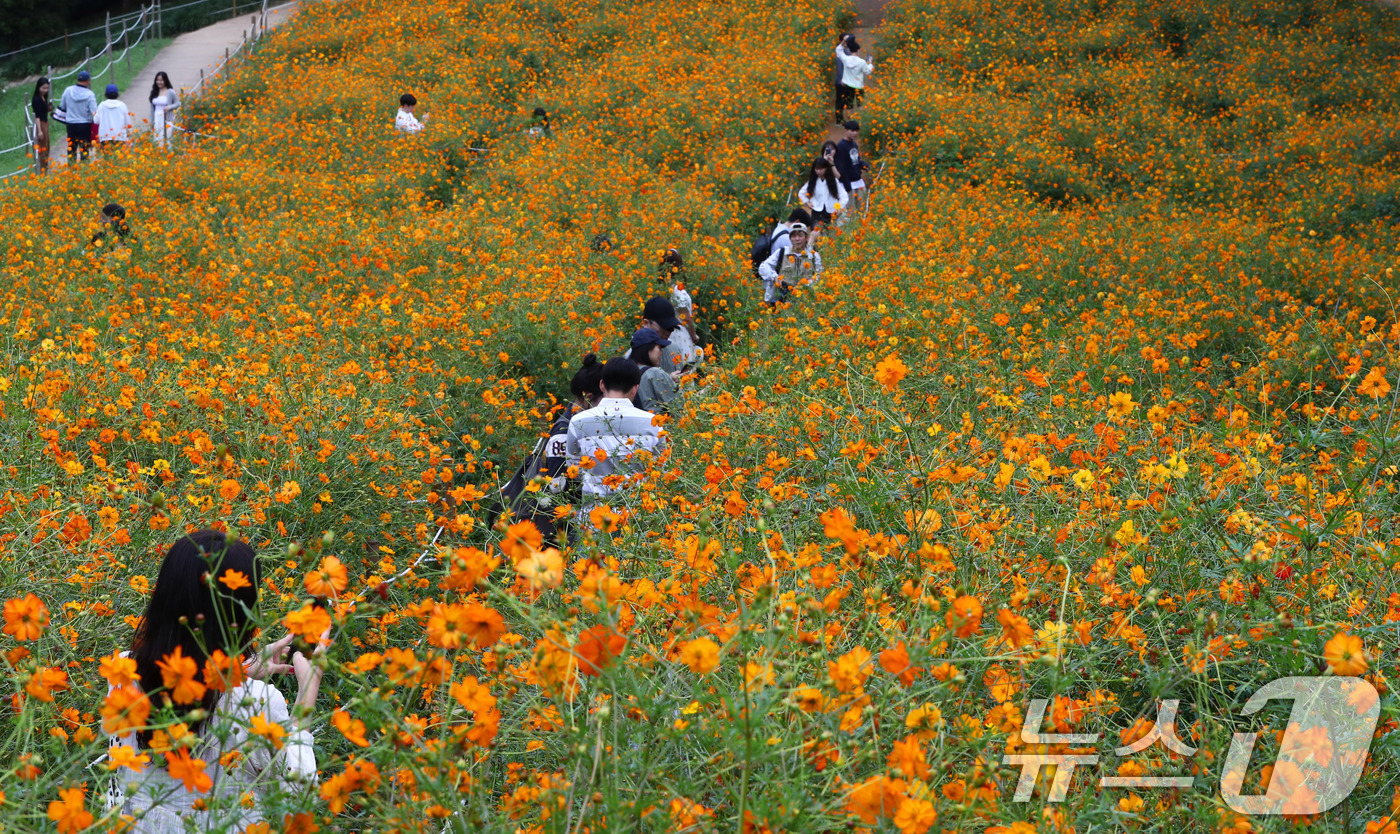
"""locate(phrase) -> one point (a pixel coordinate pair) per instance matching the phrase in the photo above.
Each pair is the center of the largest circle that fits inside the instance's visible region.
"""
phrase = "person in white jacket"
(823, 195)
(113, 122)
(252, 742)
(851, 88)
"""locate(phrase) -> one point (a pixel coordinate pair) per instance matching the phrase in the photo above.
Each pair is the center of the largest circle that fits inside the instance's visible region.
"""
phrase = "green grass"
(15, 99)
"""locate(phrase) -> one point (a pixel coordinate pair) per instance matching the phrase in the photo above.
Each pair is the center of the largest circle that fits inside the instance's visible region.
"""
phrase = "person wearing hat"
(789, 267)
(113, 122)
(671, 272)
(79, 107)
(657, 390)
(659, 315)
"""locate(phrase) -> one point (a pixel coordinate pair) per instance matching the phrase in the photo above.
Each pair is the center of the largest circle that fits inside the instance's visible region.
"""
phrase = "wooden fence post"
(107, 35)
(160, 31)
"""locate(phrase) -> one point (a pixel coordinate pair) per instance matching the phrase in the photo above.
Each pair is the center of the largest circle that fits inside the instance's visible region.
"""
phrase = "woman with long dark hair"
(208, 701)
(164, 102)
(823, 195)
(42, 107)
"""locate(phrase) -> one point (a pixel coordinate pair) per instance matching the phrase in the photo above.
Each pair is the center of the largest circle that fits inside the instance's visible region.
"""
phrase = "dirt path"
(869, 15)
(192, 52)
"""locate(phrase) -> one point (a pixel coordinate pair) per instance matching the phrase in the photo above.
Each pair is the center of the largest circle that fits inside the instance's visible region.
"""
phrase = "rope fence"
(142, 22)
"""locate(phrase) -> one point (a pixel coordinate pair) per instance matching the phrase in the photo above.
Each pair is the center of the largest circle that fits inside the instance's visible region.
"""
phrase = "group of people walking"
(109, 123)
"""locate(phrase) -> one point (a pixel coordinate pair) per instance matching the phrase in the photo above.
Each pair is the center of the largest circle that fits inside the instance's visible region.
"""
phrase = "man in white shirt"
(612, 442)
(854, 70)
(404, 121)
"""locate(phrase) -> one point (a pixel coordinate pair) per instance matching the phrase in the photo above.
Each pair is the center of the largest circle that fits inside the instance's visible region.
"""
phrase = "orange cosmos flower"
(119, 671)
(890, 371)
(233, 580)
(308, 622)
(178, 676)
(68, 810)
(1375, 384)
(26, 619)
(272, 731)
(229, 489)
(965, 616)
(44, 681)
(542, 569)
(1345, 655)
(483, 625)
(596, 648)
(126, 708)
(521, 539)
(222, 673)
(329, 580)
(701, 655)
(188, 770)
(352, 728)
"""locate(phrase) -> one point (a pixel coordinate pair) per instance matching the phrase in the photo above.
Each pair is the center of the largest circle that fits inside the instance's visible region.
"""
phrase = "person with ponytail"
(192, 689)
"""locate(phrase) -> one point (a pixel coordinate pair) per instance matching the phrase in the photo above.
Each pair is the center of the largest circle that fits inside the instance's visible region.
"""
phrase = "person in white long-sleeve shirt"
(851, 88)
(405, 122)
(252, 742)
(610, 442)
(823, 195)
(113, 121)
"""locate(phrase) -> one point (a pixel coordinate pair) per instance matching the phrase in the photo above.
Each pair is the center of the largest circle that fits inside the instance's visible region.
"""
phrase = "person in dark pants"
(42, 107)
(850, 168)
(79, 107)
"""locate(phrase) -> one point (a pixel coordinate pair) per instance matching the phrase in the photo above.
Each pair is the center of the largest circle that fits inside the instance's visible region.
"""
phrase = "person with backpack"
(850, 168)
(611, 442)
(766, 242)
(657, 391)
(549, 460)
(791, 266)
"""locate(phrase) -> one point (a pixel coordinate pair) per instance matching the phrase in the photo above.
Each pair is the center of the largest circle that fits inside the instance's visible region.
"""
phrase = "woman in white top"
(164, 102)
(823, 195)
(206, 597)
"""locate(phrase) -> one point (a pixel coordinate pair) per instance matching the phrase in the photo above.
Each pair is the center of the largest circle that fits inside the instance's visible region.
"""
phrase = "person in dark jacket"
(42, 107)
(849, 166)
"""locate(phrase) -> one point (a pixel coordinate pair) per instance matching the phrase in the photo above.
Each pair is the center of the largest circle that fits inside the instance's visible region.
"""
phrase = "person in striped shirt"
(612, 442)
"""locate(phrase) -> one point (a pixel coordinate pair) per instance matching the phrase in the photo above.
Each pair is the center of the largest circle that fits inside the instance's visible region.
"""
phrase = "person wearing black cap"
(113, 220)
(79, 107)
(113, 122)
(657, 391)
(659, 316)
(849, 166)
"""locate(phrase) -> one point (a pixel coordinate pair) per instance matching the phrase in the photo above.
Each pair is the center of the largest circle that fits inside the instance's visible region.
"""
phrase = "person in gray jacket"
(657, 392)
(79, 108)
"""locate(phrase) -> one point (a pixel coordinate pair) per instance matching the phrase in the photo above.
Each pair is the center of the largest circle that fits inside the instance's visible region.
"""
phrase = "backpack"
(524, 506)
(762, 248)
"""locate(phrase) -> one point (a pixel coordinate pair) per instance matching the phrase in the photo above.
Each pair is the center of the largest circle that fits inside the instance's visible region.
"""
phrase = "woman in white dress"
(164, 102)
(202, 613)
